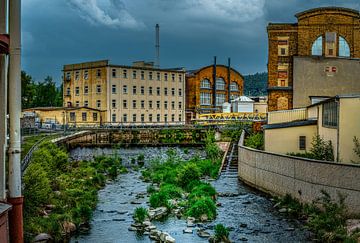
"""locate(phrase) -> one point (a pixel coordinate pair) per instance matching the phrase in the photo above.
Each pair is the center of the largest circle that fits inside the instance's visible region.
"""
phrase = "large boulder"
(43, 238)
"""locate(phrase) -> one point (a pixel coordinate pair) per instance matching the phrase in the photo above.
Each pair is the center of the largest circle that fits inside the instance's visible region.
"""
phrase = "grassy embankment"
(61, 195)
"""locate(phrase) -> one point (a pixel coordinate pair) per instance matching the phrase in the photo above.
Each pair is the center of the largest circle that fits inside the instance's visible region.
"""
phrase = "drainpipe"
(16, 199)
(214, 86)
(3, 101)
(229, 81)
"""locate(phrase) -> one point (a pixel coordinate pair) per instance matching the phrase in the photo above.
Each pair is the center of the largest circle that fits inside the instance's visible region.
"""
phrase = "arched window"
(205, 84)
(220, 84)
(316, 49)
(234, 86)
(344, 49)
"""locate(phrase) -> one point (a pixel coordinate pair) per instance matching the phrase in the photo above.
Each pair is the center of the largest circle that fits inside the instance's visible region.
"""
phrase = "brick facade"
(194, 90)
(296, 39)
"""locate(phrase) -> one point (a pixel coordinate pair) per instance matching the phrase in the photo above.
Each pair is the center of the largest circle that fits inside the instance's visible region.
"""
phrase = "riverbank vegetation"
(180, 181)
(60, 195)
(326, 217)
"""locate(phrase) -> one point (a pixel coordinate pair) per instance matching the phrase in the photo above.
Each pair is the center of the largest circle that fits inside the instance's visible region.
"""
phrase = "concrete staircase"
(230, 168)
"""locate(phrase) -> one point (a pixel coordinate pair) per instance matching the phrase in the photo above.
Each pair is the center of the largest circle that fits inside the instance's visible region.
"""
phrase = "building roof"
(106, 63)
(330, 8)
(243, 99)
(193, 72)
(59, 108)
(290, 124)
(344, 96)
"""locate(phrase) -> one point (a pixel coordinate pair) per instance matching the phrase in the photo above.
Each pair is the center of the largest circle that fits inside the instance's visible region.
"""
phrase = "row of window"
(206, 98)
(151, 104)
(150, 75)
(142, 90)
(220, 84)
(150, 117)
(84, 117)
(125, 90)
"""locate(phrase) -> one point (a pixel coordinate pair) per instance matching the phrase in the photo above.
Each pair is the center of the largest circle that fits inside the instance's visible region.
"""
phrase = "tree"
(28, 90)
(46, 93)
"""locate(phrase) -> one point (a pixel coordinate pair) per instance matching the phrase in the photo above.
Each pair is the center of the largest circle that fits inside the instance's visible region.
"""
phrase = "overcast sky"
(58, 32)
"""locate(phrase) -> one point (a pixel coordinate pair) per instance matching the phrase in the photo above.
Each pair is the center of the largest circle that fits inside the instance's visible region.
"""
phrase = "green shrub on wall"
(255, 141)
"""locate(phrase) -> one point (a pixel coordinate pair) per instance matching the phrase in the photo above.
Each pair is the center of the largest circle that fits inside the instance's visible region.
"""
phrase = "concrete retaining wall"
(302, 178)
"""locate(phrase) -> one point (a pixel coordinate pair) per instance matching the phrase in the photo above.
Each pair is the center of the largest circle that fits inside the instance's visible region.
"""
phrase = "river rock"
(352, 225)
(163, 236)
(243, 225)
(69, 227)
(282, 210)
(131, 228)
(169, 239)
(135, 202)
(203, 234)
(43, 237)
(204, 218)
(190, 224)
(157, 212)
(147, 223)
(188, 231)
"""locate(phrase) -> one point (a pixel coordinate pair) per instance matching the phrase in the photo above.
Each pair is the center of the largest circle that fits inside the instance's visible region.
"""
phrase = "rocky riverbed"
(250, 215)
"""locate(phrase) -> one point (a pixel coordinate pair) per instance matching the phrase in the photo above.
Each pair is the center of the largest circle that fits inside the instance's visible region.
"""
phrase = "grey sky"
(57, 32)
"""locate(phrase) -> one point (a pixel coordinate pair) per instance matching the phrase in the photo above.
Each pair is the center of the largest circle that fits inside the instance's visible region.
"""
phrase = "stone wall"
(302, 178)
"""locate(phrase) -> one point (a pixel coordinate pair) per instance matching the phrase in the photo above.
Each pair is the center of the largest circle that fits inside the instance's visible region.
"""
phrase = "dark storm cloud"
(58, 32)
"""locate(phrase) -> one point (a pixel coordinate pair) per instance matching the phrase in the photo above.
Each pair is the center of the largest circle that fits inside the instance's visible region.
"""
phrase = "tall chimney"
(157, 46)
(229, 80)
(214, 86)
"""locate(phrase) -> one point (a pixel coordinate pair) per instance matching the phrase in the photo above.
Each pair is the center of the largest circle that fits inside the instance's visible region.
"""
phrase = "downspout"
(229, 81)
(3, 101)
(214, 86)
(337, 130)
(16, 198)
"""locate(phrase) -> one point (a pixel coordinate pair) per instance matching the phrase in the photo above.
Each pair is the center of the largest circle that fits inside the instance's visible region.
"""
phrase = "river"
(249, 214)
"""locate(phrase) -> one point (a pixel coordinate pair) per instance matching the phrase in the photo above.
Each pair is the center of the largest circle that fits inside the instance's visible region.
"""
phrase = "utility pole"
(3, 101)
(14, 98)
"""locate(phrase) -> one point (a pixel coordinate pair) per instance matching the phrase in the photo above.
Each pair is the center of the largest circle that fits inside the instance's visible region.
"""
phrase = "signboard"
(330, 71)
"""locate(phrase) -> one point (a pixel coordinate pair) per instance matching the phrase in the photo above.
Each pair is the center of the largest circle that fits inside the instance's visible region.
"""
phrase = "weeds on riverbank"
(60, 195)
(325, 217)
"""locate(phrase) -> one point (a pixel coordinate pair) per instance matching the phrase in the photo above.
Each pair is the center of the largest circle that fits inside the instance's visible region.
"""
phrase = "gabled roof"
(193, 72)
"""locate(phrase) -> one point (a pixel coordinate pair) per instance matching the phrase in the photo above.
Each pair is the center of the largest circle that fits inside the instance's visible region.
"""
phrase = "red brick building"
(208, 88)
(323, 33)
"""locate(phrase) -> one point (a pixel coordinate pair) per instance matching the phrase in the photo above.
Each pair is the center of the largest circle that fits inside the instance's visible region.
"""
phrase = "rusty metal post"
(14, 99)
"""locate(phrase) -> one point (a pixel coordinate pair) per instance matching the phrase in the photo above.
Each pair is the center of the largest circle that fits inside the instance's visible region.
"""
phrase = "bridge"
(223, 118)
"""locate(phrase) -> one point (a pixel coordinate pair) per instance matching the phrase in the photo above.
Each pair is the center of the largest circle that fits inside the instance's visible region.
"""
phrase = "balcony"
(287, 116)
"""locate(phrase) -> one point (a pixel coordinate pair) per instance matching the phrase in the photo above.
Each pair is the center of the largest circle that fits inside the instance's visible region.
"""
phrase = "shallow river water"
(249, 214)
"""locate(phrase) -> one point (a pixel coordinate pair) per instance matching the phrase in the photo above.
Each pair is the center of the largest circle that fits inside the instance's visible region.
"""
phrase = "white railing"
(287, 116)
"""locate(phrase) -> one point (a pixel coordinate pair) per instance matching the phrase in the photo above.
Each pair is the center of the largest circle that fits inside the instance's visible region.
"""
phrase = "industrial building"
(208, 88)
(137, 94)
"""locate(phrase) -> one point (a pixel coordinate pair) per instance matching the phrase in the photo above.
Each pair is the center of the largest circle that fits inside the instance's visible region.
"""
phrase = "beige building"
(138, 94)
(71, 116)
(336, 119)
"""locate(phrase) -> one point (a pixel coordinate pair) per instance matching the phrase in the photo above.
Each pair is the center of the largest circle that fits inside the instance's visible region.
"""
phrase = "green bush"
(190, 172)
(37, 188)
(202, 189)
(255, 141)
(159, 199)
(204, 205)
(321, 149)
(221, 232)
(140, 214)
(171, 190)
(150, 189)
